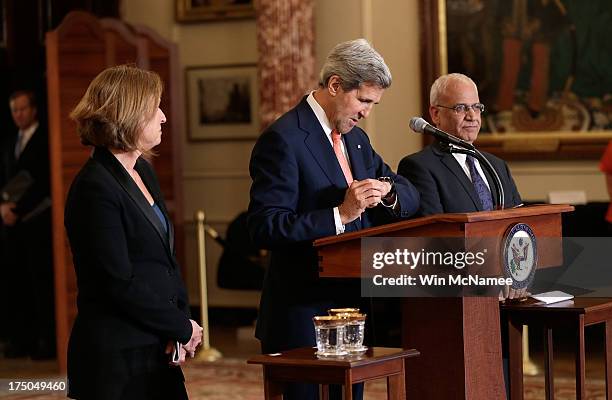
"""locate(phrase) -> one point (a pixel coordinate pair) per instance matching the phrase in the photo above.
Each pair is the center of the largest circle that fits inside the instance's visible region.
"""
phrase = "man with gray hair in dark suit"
(315, 174)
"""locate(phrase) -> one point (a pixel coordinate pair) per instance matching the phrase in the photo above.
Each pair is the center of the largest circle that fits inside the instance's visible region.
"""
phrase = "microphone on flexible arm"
(455, 145)
(419, 125)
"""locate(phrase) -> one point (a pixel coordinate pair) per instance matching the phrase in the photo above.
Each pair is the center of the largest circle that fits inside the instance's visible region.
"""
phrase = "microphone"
(419, 125)
(456, 145)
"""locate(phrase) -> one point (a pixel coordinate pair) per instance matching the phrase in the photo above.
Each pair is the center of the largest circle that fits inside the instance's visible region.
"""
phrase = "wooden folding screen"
(77, 51)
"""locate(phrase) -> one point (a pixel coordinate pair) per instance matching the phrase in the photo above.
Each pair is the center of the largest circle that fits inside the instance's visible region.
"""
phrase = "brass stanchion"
(529, 367)
(206, 353)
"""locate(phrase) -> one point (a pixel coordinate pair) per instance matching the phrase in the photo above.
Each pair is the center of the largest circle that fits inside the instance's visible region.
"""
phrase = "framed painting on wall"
(222, 102)
(543, 70)
(213, 10)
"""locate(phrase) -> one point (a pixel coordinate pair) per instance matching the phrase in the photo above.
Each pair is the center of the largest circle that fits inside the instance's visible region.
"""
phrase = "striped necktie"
(482, 190)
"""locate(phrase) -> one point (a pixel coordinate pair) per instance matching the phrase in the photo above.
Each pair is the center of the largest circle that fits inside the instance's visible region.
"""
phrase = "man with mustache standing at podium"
(456, 183)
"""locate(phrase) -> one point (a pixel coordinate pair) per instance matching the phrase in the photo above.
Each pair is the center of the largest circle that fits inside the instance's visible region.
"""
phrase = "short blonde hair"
(441, 84)
(116, 104)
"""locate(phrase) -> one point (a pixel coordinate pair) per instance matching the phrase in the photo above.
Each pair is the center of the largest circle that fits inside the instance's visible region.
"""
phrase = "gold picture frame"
(213, 10)
(474, 36)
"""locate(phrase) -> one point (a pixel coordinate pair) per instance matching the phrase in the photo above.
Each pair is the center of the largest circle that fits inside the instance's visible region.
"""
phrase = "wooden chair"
(302, 365)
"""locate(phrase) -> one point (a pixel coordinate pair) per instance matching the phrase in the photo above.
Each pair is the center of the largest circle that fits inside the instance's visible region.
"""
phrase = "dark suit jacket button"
(169, 271)
(173, 299)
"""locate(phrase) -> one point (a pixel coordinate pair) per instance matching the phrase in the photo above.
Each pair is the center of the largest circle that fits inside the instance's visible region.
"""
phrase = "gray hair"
(356, 63)
(441, 85)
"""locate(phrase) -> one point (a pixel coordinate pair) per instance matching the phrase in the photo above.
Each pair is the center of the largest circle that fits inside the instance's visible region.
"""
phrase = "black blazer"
(297, 181)
(35, 159)
(444, 186)
(130, 291)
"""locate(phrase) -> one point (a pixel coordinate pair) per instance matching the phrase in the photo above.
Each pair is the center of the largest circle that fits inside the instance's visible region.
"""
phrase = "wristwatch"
(390, 197)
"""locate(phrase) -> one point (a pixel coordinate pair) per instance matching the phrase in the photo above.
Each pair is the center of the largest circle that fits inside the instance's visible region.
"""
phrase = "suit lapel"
(453, 166)
(29, 145)
(144, 169)
(11, 166)
(318, 144)
(106, 158)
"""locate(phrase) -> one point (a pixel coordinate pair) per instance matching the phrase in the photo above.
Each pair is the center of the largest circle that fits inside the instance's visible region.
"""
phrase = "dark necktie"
(482, 190)
(18, 145)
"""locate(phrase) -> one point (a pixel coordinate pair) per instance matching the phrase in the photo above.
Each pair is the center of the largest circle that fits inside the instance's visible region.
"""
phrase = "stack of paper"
(552, 297)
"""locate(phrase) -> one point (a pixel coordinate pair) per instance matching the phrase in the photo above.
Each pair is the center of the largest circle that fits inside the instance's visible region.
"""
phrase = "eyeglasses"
(464, 108)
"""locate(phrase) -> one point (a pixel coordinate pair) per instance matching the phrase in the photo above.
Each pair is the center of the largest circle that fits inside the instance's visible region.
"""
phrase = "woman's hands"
(196, 339)
(186, 349)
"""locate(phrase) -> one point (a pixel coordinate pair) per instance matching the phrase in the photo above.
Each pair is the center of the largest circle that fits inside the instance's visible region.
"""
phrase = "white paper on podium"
(555, 296)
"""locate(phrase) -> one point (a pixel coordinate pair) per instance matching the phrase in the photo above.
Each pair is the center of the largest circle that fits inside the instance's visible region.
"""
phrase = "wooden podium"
(459, 338)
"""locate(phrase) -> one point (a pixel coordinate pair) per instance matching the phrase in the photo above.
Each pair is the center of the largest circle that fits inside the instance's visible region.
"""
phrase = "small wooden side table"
(302, 365)
(569, 315)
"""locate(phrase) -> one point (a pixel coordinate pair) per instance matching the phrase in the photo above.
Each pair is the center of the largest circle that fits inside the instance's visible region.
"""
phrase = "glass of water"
(330, 331)
(354, 332)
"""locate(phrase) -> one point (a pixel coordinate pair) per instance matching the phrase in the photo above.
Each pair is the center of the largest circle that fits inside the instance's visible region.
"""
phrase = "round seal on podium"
(520, 255)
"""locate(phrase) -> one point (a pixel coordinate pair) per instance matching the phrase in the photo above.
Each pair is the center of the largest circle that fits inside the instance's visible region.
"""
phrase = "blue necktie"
(482, 190)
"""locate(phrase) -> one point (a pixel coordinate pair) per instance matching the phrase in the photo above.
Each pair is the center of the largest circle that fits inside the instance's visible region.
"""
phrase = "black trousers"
(140, 373)
(30, 286)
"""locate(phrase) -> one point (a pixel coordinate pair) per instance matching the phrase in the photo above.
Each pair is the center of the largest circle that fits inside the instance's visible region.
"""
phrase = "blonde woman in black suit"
(133, 311)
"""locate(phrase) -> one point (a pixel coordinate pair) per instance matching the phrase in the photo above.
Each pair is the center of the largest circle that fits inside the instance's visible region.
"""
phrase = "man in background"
(26, 215)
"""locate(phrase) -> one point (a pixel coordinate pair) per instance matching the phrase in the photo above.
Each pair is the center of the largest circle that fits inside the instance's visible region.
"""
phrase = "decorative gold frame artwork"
(213, 10)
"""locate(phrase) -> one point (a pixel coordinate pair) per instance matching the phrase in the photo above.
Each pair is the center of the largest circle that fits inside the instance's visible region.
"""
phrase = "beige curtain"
(285, 41)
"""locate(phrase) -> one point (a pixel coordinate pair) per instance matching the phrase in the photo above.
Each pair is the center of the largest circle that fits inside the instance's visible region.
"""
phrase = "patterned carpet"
(234, 379)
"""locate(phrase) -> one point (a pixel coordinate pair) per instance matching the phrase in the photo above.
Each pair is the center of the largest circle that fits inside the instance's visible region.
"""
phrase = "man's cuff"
(390, 203)
(391, 199)
(338, 221)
